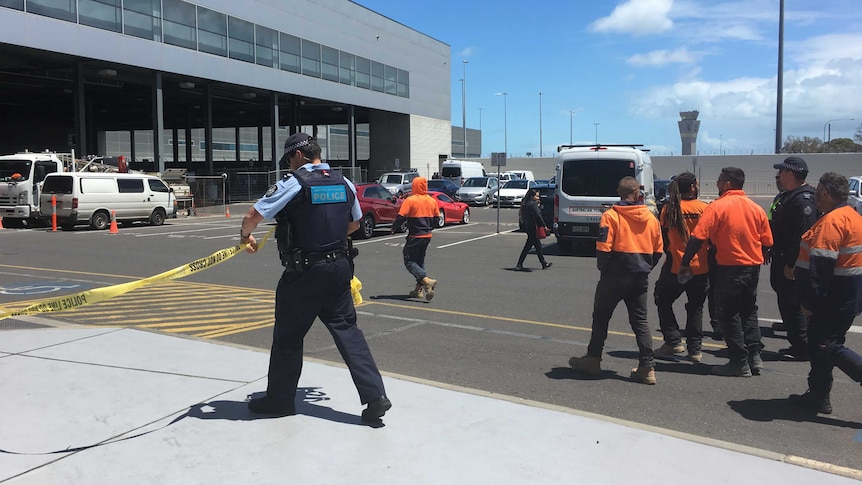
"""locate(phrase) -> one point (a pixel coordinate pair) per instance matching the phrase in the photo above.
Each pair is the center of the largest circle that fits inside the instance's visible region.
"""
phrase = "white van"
(457, 171)
(517, 174)
(587, 179)
(90, 198)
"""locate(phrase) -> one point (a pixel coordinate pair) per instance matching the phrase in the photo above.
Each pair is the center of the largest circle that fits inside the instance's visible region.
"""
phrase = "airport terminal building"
(216, 86)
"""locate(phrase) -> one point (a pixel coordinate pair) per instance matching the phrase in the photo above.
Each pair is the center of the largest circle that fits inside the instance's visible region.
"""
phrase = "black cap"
(293, 143)
(794, 164)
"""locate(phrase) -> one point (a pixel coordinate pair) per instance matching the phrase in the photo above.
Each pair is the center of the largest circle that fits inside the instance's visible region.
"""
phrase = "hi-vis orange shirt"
(691, 212)
(632, 236)
(737, 227)
(420, 210)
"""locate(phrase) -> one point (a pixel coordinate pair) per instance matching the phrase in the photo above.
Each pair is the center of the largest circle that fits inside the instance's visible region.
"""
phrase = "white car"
(513, 192)
(855, 199)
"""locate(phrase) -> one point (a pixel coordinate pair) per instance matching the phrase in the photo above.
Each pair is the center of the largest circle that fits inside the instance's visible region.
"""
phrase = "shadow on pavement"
(766, 410)
(238, 410)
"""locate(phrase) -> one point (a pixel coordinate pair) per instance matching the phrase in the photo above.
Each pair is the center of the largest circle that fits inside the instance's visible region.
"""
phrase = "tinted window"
(451, 172)
(57, 185)
(11, 167)
(130, 185)
(157, 185)
(594, 177)
(516, 184)
(444, 198)
(476, 182)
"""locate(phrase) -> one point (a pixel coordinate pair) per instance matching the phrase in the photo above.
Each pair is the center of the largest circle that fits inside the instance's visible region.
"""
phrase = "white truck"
(587, 179)
(21, 177)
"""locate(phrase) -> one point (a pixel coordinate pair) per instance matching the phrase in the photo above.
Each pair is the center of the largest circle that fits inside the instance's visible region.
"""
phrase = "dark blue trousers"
(826, 335)
(667, 291)
(323, 291)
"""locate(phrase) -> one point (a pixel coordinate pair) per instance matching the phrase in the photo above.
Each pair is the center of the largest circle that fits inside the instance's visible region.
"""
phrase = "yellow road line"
(238, 329)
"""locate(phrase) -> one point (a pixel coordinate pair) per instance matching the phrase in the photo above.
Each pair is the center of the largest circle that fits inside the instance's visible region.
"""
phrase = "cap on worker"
(794, 164)
(293, 143)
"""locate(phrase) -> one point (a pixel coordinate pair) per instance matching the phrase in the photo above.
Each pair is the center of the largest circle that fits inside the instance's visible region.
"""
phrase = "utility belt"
(297, 261)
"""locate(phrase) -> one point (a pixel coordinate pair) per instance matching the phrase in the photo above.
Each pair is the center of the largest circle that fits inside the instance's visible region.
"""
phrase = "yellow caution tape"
(101, 294)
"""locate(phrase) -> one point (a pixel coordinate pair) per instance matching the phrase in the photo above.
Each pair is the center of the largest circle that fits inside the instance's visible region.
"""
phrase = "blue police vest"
(317, 217)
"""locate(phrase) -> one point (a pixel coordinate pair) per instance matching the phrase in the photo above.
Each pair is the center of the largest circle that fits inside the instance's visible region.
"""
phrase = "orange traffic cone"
(227, 211)
(114, 229)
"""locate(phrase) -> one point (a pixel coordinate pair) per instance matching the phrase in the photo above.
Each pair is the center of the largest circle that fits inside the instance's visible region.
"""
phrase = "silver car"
(398, 183)
(478, 190)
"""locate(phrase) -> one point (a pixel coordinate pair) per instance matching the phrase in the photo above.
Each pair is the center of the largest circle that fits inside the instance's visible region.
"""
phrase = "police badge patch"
(271, 190)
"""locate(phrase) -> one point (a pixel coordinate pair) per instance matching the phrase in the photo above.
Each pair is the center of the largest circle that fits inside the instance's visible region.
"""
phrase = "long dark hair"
(682, 186)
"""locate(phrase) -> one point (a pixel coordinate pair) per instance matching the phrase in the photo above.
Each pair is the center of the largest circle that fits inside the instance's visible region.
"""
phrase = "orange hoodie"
(420, 210)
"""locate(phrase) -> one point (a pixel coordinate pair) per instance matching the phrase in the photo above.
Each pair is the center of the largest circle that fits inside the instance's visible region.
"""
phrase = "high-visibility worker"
(829, 289)
(739, 230)
(628, 248)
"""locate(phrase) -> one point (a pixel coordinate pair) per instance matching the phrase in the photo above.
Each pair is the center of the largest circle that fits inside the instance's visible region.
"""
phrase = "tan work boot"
(644, 375)
(667, 350)
(587, 364)
(695, 356)
(429, 286)
(418, 292)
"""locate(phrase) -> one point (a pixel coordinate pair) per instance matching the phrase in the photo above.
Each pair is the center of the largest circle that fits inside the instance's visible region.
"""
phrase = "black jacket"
(794, 214)
(531, 215)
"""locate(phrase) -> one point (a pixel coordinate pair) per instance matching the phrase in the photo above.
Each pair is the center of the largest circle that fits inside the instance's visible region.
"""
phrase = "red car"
(379, 207)
(450, 211)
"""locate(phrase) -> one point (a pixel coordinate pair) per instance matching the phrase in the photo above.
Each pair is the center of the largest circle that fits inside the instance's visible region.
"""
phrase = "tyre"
(402, 228)
(487, 200)
(441, 218)
(157, 218)
(466, 217)
(366, 227)
(100, 220)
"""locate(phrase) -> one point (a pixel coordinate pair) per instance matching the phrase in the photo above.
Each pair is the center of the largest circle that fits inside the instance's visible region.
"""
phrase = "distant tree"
(842, 145)
(806, 144)
(858, 135)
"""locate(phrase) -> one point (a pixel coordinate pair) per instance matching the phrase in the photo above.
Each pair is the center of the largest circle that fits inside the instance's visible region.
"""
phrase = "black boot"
(810, 402)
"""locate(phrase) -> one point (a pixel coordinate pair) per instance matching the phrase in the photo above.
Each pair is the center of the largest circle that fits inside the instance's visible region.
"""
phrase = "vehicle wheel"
(487, 200)
(466, 217)
(441, 218)
(400, 194)
(366, 227)
(402, 228)
(157, 218)
(100, 220)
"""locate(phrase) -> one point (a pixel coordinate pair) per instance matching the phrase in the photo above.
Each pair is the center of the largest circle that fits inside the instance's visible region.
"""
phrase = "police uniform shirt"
(283, 191)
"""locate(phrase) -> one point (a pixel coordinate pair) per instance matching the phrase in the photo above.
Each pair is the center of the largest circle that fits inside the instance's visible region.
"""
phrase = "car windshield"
(594, 177)
(391, 179)
(516, 184)
(19, 168)
(476, 182)
(437, 184)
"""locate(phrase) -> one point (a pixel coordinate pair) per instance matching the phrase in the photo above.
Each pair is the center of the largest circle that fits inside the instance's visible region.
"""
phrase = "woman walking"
(532, 218)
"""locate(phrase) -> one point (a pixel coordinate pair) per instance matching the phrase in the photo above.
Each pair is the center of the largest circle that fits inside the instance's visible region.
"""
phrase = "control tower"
(688, 127)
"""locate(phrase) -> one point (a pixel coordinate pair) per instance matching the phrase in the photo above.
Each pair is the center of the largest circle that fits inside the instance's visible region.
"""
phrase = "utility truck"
(21, 177)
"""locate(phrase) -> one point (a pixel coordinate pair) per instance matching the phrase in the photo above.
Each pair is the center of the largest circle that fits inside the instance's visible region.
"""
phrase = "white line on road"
(474, 239)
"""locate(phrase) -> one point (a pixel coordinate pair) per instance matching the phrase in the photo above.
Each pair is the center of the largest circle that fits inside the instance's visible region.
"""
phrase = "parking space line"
(474, 239)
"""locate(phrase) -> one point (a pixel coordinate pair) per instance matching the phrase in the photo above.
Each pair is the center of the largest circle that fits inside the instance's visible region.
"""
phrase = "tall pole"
(780, 88)
(464, 107)
(571, 121)
(597, 133)
(540, 125)
(480, 130)
(505, 126)
(827, 139)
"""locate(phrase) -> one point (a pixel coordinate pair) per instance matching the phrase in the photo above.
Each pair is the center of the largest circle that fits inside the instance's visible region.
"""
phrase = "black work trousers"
(667, 291)
(323, 290)
(532, 242)
(632, 289)
(788, 306)
(827, 333)
(736, 309)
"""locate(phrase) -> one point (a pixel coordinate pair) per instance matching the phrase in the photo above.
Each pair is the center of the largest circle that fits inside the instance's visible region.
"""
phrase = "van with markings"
(91, 198)
(586, 186)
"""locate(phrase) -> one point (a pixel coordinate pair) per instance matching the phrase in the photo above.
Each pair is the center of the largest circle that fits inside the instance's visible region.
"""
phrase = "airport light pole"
(571, 121)
(464, 107)
(597, 133)
(505, 126)
(540, 125)
(827, 139)
(480, 130)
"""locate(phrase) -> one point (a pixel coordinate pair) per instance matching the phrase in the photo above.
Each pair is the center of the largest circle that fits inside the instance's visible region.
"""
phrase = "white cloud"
(637, 17)
(663, 57)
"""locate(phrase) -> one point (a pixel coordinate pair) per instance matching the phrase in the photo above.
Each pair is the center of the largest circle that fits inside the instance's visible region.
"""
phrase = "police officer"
(315, 208)
(794, 213)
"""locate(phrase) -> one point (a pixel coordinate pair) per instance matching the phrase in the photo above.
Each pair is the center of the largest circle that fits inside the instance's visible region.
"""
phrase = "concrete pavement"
(114, 405)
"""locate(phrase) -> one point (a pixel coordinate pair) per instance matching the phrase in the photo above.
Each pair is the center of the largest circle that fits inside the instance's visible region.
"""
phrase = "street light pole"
(540, 125)
(571, 121)
(505, 125)
(597, 133)
(480, 130)
(464, 107)
(828, 140)
(720, 143)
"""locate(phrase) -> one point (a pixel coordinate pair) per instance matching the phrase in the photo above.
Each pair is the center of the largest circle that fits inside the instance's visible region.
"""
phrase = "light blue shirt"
(278, 196)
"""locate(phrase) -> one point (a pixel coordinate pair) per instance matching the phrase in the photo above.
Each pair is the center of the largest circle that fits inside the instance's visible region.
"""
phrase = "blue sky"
(632, 65)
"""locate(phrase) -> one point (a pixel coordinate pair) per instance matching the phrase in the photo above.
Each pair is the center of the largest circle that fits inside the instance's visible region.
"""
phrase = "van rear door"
(585, 189)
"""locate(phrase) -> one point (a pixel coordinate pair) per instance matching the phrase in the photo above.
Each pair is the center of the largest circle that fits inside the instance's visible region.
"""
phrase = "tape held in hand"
(89, 297)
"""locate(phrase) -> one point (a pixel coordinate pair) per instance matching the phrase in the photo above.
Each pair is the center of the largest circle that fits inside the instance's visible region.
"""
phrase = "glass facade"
(190, 26)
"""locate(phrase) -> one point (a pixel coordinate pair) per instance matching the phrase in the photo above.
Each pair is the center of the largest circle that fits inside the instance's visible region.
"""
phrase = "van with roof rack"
(586, 186)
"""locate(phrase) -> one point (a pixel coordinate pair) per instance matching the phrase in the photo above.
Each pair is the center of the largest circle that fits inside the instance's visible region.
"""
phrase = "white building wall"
(429, 140)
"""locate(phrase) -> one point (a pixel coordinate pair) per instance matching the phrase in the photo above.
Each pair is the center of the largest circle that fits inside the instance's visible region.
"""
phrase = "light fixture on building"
(107, 72)
(187, 85)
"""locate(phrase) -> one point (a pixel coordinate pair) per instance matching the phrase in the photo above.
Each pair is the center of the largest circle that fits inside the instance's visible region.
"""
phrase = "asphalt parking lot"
(488, 327)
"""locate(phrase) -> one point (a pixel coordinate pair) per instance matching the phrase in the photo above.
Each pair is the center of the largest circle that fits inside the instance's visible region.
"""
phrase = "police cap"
(794, 164)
